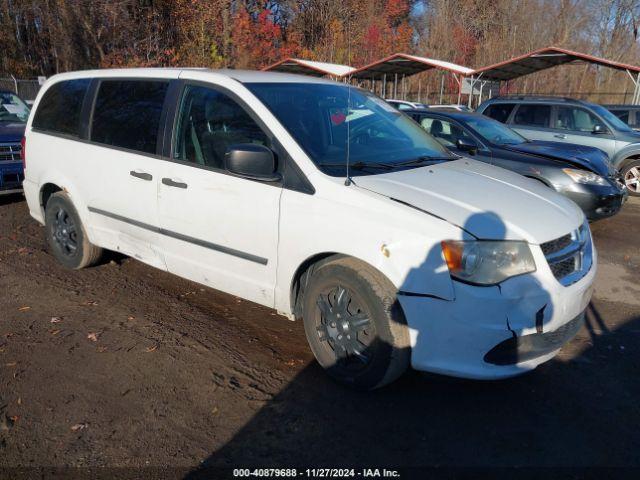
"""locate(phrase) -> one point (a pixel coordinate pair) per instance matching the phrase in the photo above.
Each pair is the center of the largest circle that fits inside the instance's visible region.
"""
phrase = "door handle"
(172, 183)
(142, 175)
(560, 135)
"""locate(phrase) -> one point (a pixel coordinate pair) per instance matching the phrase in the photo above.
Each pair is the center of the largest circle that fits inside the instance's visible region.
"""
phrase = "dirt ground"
(123, 365)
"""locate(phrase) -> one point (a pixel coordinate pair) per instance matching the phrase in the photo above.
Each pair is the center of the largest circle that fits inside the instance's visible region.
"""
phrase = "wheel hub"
(339, 327)
(64, 232)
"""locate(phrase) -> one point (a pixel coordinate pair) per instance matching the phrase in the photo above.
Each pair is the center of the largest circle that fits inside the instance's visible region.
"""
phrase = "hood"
(488, 202)
(590, 158)
(11, 132)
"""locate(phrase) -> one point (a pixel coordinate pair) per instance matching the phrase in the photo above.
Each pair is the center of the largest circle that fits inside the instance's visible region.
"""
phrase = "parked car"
(583, 174)
(460, 108)
(13, 118)
(572, 121)
(405, 105)
(317, 199)
(629, 114)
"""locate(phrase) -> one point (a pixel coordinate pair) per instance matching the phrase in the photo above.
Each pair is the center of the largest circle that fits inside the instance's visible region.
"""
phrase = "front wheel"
(631, 175)
(354, 324)
(65, 234)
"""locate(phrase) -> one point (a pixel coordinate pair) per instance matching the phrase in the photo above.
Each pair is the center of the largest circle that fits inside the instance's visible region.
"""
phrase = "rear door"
(499, 111)
(121, 165)
(573, 124)
(533, 121)
(218, 229)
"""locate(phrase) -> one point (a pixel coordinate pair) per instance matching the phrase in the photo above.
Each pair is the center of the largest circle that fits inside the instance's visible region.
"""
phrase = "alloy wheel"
(632, 179)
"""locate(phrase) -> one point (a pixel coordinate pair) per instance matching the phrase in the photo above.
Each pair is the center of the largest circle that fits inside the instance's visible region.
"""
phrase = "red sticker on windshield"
(338, 117)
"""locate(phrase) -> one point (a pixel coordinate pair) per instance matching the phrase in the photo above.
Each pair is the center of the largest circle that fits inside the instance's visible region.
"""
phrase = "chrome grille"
(10, 152)
(570, 256)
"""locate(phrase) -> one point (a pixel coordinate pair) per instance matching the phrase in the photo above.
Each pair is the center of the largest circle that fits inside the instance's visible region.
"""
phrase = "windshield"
(12, 108)
(494, 131)
(331, 122)
(614, 121)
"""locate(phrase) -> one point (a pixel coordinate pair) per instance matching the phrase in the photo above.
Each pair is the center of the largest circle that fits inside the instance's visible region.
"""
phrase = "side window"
(576, 119)
(622, 115)
(445, 132)
(208, 124)
(533, 115)
(499, 111)
(127, 114)
(60, 108)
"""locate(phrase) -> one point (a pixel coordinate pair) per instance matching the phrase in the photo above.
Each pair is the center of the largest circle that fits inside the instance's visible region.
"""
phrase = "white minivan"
(319, 200)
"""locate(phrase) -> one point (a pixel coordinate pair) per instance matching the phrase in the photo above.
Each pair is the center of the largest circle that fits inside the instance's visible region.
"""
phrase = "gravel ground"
(122, 365)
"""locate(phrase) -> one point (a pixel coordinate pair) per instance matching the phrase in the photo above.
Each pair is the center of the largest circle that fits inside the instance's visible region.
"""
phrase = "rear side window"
(127, 114)
(60, 108)
(533, 115)
(499, 111)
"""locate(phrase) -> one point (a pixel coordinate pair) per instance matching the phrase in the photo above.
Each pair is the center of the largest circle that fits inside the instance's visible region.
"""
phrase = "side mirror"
(467, 145)
(599, 129)
(253, 161)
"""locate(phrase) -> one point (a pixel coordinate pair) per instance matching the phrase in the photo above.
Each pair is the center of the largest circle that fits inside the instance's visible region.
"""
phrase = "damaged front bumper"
(499, 331)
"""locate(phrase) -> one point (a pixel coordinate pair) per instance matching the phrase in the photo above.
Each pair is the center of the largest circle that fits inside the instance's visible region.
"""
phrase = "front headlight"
(584, 176)
(487, 262)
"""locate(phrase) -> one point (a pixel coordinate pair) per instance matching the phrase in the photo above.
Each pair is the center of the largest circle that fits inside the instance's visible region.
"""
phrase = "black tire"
(631, 177)
(65, 234)
(354, 323)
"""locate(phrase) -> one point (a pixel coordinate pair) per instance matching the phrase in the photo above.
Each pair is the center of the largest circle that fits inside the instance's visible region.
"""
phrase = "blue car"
(14, 113)
(581, 173)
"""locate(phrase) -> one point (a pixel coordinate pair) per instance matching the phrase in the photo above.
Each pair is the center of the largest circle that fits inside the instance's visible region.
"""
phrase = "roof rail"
(536, 97)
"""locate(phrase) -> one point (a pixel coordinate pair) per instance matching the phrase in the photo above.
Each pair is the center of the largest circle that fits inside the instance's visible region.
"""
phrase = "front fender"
(401, 242)
(632, 150)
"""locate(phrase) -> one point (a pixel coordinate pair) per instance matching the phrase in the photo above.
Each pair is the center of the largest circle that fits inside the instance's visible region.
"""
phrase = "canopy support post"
(441, 87)
(384, 86)
(395, 86)
(404, 87)
(636, 87)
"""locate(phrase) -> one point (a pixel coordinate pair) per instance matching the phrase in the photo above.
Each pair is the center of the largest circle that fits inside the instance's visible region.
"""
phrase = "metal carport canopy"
(310, 67)
(541, 60)
(406, 65)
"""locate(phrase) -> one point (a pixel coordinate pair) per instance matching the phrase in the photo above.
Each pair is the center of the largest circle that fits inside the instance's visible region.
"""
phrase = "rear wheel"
(354, 324)
(631, 175)
(66, 236)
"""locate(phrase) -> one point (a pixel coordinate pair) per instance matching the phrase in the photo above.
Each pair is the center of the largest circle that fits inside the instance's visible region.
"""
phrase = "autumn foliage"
(42, 37)
(75, 34)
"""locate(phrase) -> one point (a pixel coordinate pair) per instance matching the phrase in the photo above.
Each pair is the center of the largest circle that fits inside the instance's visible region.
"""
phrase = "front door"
(577, 125)
(448, 133)
(218, 229)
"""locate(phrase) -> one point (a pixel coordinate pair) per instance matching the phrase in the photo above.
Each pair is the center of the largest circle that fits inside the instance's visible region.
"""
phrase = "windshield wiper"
(426, 161)
(360, 165)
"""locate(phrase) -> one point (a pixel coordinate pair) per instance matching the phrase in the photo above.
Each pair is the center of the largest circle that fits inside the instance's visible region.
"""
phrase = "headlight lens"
(584, 176)
(487, 262)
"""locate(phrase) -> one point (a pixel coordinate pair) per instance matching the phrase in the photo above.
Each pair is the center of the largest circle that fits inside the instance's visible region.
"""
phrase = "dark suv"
(572, 121)
(14, 113)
